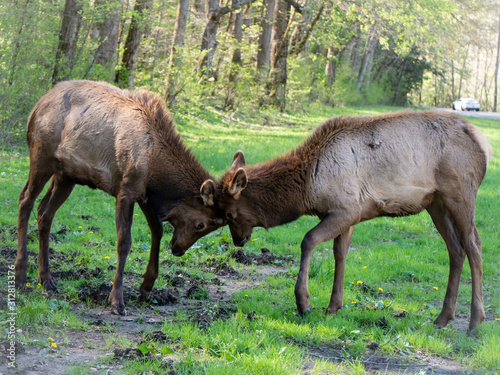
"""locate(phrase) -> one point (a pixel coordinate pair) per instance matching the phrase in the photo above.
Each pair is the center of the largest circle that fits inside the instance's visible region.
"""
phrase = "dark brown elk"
(358, 168)
(124, 143)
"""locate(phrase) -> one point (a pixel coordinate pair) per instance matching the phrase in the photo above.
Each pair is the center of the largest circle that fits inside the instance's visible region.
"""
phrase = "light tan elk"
(357, 168)
(91, 133)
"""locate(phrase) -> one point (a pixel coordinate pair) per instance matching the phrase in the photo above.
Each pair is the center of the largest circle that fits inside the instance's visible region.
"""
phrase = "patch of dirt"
(419, 363)
(265, 258)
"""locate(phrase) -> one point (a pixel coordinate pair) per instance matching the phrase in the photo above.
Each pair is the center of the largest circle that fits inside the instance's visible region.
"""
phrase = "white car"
(466, 104)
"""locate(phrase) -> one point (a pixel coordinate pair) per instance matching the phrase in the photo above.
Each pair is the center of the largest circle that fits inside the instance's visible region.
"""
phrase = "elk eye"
(229, 216)
(200, 226)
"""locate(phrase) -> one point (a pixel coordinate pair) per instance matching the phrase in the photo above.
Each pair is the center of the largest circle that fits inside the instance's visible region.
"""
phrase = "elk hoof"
(144, 293)
(49, 285)
(118, 310)
(304, 311)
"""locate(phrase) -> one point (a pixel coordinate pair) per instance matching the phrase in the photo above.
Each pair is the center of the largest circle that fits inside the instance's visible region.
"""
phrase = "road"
(491, 115)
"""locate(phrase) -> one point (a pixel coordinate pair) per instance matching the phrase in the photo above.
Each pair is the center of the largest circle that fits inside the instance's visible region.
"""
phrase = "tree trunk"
(236, 61)
(125, 74)
(209, 39)
(301, 44)
(497, 61)
(331, 65)
(366, 62)
(264, 49)
(172, 82)
(68, 38)
(107, 31)
(279, 55)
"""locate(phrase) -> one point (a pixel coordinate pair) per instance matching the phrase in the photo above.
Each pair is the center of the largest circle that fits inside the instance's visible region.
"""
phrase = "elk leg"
(441, 218)
(340, 249)
(59, 190)
(456, 224)
(33, 188)
(124, 218)
(156, 227)
(329, 228)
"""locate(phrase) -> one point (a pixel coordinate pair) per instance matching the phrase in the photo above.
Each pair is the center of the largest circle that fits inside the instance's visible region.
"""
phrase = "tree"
(279, 54)
(264, 44)
(236, 61)
(107, 30)
(172, 82)
(68, 38)
(125, 73)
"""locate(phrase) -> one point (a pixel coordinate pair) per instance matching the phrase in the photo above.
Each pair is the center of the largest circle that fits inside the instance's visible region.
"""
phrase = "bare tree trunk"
(209, 39)
(68, 37)
(331, 65)
(108, 32)
(172, 81)
(264, 49)
(236, 61)
(366, 62)
(279, 55)
(300, 45)
(453, 80)
(497, 61)
(125, 75)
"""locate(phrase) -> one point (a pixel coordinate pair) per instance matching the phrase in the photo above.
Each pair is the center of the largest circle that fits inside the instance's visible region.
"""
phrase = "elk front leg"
(156, 227)
(329, 228)
(124, 215)
(340, 249)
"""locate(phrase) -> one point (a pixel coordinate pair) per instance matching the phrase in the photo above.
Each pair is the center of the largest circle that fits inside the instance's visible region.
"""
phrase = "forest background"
(235, 54)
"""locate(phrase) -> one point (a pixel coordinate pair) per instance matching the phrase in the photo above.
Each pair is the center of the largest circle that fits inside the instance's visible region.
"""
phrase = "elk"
(354, 169)
(124, 143)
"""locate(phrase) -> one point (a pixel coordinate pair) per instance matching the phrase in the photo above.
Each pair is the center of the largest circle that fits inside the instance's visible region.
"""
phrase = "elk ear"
(238, 183)
(207, 192)
(238, 160)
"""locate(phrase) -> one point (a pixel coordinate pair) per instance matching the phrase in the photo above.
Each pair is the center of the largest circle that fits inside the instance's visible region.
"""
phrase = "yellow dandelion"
(359, 258)
(106, 257)
(435, 288)
(111, 282)
(39, 284)
(80, 227)
(359, 282)
(497, 319)
(354, 302)
(50, 339)
(136, 214)
(28, 284)
(246, 295)
(352, 283)
(255, 239)
(381, 289)
(54, 345)
(364, 267)
(91, 232)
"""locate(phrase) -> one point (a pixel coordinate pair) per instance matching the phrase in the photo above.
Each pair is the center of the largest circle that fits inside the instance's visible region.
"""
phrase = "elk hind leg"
(59, 190)
(340, 249)
(37, 179)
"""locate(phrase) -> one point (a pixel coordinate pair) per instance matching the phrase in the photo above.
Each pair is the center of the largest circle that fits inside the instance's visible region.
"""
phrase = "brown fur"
(126, 144)
(358, 168)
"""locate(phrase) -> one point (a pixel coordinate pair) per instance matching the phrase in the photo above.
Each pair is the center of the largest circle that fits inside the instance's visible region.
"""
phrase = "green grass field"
(396, 277)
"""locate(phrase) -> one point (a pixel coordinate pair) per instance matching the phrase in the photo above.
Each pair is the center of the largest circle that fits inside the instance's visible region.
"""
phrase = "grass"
(396, 274)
